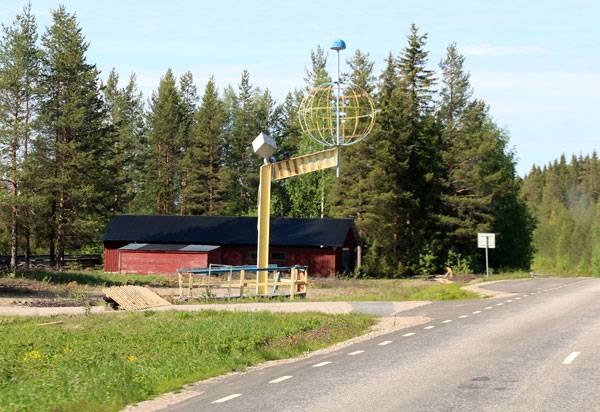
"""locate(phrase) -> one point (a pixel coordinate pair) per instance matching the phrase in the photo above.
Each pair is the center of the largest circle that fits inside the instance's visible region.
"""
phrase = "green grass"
(104, 362)
(385, 290)
(524, 275)
(96, 278)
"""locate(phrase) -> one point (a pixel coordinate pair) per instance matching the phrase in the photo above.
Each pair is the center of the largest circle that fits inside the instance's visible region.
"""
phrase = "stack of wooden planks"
(133, 298)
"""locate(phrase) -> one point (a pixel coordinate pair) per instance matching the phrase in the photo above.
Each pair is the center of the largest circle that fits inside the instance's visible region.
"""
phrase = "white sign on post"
(486, 241)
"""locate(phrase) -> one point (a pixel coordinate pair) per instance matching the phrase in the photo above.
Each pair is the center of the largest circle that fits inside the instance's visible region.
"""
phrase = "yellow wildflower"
(33, 355)
(131, 358)
(67, 350)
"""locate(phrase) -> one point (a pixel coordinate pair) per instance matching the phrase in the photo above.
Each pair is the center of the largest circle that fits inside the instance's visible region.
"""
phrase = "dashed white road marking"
(489, 307)
(508, 301)
(517, 298)
(281, 379)
(409, 334)
(429, 327)
(570, 358)
(356, 352)
(463, 316)
(499, 304)
(476, 312)
(318, 365)
(447, 321)
(525, 295)
(227, 398)
(385, 342)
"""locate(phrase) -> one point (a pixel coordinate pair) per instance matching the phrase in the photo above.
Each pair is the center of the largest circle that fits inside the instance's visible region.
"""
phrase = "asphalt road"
(536, 351)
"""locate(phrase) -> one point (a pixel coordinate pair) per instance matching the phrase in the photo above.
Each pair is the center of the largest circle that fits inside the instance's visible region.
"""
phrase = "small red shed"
(163, 244)
(149, 258)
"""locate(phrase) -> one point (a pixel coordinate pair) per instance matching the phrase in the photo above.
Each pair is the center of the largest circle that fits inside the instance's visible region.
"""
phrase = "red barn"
(163, 244)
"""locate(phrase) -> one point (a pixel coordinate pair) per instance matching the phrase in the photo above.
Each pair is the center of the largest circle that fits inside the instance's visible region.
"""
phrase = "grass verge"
(105, 362)
(385, 290)
(525, 275)
(97, 278)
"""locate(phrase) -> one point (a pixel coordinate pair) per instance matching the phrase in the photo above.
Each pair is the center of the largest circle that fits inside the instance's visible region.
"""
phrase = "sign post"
(486, 241)
(265, 146)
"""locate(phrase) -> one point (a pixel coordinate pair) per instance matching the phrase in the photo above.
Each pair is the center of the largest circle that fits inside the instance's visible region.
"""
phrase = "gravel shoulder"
(373, 308)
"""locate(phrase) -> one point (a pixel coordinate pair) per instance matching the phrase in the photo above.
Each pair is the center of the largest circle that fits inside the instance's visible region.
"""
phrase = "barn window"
(278, 256)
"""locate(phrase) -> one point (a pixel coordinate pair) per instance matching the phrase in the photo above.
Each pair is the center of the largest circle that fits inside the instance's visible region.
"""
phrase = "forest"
(563, 197)
(437, 169)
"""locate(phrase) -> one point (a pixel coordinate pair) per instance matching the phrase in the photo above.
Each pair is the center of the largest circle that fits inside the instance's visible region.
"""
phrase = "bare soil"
(34, 293)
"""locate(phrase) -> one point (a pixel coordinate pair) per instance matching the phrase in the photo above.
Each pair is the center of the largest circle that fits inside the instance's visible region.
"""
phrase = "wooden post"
(358, 257)
(264, 207)
(190, 285)
(180, 284)
(242, 280)
(304, 278)
(293, 277)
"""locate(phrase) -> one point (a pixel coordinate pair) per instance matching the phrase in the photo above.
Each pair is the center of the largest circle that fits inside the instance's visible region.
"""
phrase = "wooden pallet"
(133, 297)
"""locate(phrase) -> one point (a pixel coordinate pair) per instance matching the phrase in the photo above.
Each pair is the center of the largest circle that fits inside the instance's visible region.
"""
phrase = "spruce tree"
(164, 131)
(402, 216)
(308, 194)
(206, 177)
(125, 109)
(241, 164)
(351, 191)
(188, 94)
(287, 133)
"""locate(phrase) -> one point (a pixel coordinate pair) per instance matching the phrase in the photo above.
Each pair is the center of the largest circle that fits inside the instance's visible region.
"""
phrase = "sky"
(536, 63)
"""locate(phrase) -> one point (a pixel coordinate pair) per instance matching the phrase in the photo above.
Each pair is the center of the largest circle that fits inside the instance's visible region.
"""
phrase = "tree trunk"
(27, 185)
(210, 182)
(27, 245)
(52, 235)
(60, 232)
(15, 192)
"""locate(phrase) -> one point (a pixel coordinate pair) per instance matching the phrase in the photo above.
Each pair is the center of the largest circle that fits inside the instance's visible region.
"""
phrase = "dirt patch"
(35, 293)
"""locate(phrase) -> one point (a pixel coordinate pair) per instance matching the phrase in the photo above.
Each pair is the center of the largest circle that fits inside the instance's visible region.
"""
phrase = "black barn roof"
(220, 230)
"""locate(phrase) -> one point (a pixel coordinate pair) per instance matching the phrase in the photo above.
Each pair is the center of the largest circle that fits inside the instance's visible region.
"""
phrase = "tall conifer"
(164, 131)
(206, 177)
(19, 67)
(74, 143)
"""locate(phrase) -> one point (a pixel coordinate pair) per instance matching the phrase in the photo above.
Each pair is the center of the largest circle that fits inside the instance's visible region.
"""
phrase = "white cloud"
(485, 50)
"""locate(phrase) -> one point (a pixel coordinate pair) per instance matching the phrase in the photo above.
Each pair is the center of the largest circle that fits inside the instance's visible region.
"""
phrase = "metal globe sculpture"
(318, 115)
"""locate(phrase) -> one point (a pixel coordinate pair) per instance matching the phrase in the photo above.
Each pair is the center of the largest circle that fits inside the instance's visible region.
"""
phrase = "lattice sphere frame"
(317, 114)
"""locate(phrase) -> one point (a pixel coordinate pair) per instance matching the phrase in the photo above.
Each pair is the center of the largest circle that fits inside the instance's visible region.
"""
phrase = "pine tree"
(205, 186)
(164, 130)
(72, 149)
(19, 67)
(455, 92)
